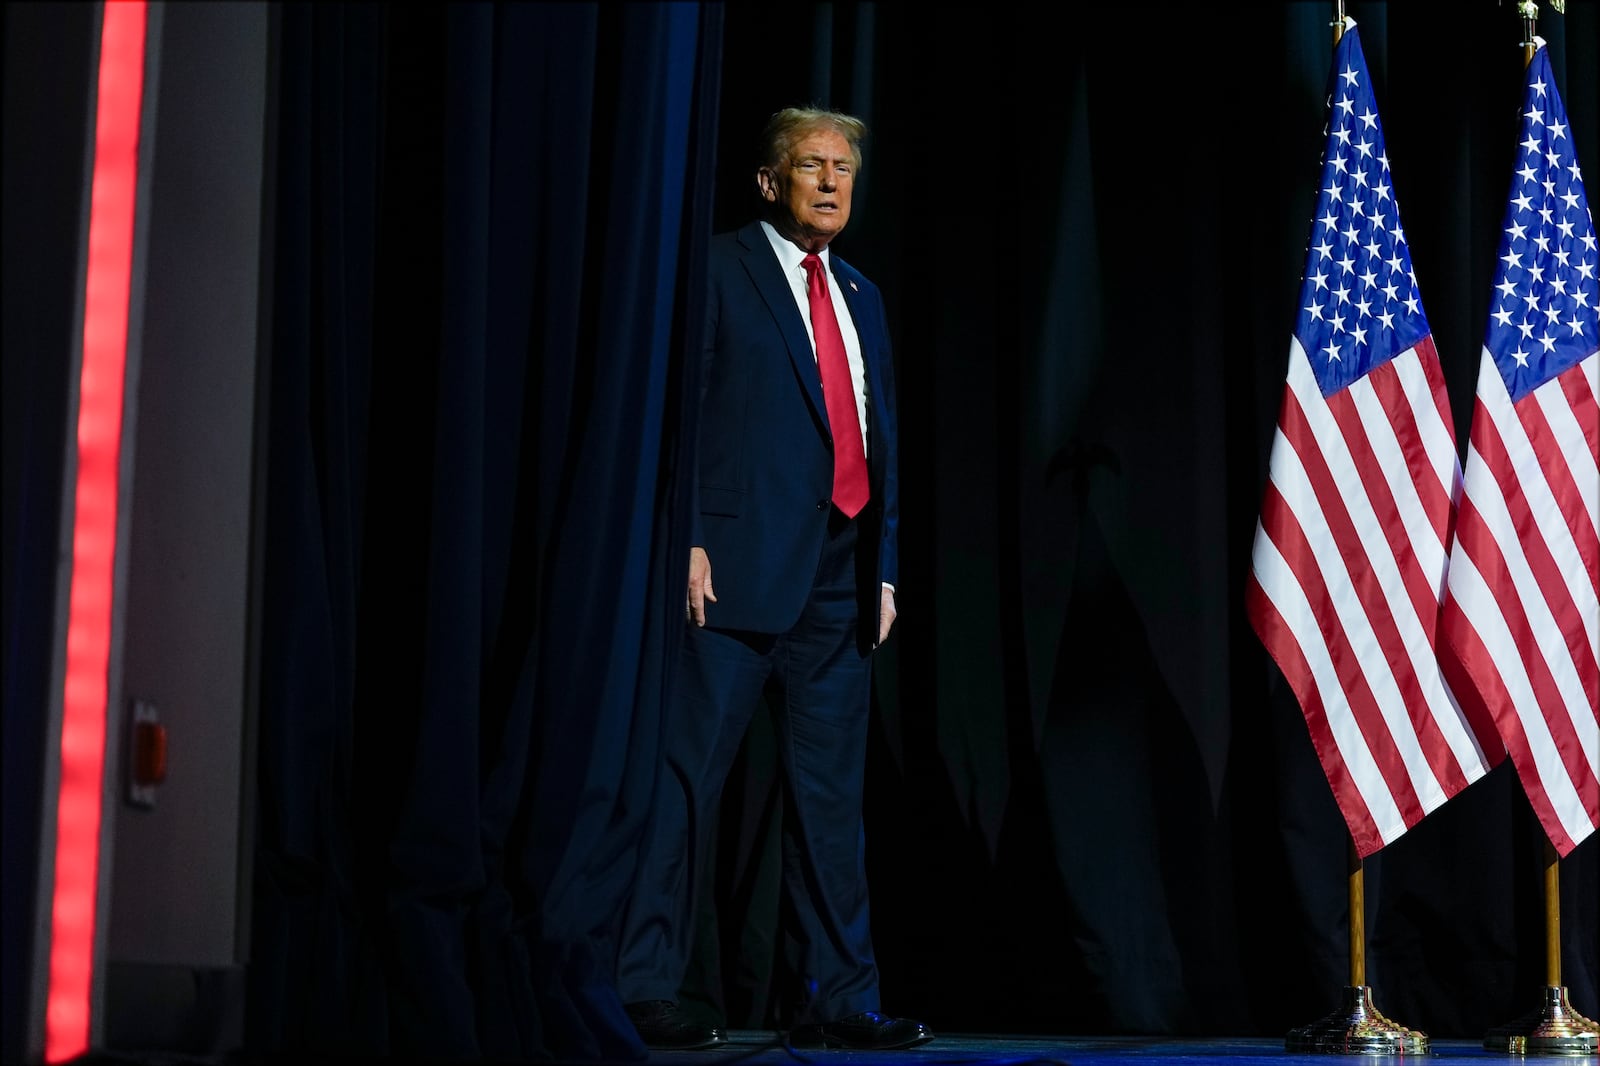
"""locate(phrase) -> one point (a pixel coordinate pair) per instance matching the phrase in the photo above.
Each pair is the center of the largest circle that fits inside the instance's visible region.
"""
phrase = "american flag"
(1521, 611)
(1352, 545)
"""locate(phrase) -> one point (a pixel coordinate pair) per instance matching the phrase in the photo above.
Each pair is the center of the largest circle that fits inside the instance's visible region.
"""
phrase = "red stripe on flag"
(1435, 494)
(1434, 497)
(1585, 405)
(1557, 475)
(1349, 663)
(1356, 693)
(74, 903)
(1559, 471)
(1539, 676)
(1479, 663)
(1485, 552)
(1279, 640)
(1549, 575)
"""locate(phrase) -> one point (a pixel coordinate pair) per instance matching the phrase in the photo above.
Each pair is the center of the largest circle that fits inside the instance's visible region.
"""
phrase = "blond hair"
(788, 127)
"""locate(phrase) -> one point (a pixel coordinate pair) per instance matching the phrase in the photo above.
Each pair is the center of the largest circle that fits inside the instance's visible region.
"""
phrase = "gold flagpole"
(1357, 1027)
(1555, 1028)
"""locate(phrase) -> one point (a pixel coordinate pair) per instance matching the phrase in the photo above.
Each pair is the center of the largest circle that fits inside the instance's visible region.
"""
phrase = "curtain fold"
(475, 538)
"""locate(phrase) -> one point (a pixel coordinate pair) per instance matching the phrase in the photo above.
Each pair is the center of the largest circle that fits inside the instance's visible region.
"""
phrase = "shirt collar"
(789, 254)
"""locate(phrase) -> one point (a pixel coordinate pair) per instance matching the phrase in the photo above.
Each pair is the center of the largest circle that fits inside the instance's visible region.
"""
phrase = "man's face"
(812, 189)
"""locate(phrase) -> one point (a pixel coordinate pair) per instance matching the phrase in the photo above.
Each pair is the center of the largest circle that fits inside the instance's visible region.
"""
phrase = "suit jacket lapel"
(873, 346)
(866, 324)
(764, 270)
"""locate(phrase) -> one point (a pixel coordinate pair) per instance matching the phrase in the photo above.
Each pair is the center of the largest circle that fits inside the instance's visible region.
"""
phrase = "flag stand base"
(1356, 1028)
(1553, 1029)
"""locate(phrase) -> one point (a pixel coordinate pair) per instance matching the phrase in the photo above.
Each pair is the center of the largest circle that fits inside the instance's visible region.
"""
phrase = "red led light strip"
(94, 530)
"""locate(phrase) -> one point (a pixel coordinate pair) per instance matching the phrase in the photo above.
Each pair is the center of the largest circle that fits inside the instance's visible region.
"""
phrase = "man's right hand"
(699, 585)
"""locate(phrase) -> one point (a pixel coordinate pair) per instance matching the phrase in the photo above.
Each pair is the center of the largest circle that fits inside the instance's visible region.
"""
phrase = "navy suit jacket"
(765, 461)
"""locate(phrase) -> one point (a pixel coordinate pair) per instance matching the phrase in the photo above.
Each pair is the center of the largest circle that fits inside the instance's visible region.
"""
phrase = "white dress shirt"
(791, 258)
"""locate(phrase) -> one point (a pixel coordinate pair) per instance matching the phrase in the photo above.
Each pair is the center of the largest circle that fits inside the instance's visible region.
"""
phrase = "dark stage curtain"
(1093, 805)
(489, 224)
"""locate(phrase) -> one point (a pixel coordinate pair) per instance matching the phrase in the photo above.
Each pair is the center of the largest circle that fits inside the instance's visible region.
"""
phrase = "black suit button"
(822, 505)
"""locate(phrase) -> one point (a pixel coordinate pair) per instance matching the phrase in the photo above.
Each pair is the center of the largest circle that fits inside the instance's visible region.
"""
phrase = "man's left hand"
(886, 615)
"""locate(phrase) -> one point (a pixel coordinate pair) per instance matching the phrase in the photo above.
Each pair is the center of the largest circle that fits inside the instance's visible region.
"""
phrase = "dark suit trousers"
(822, 694)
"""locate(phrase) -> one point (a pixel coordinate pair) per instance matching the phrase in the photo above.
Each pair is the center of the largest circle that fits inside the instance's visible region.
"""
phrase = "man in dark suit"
(798, 515)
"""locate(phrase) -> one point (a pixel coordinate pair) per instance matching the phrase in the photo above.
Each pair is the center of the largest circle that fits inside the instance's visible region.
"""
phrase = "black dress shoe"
(867, 1031)
(663, 1026)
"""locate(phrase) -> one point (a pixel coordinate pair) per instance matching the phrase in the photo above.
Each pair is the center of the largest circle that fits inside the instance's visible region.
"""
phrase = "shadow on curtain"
(489, 227)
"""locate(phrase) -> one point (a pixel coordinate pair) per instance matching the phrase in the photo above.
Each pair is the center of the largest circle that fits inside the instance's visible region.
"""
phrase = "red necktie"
(850, 490)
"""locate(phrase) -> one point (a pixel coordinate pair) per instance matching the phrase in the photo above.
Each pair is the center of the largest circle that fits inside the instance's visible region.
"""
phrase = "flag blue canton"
(1359, 304)
(1545, 303)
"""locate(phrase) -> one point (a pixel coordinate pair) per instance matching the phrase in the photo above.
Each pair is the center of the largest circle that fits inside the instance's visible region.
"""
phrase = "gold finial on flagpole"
(1529, 10)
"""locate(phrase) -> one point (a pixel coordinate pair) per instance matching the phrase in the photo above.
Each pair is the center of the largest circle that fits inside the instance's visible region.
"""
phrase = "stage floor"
(765, 1048)
(762, 1048)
